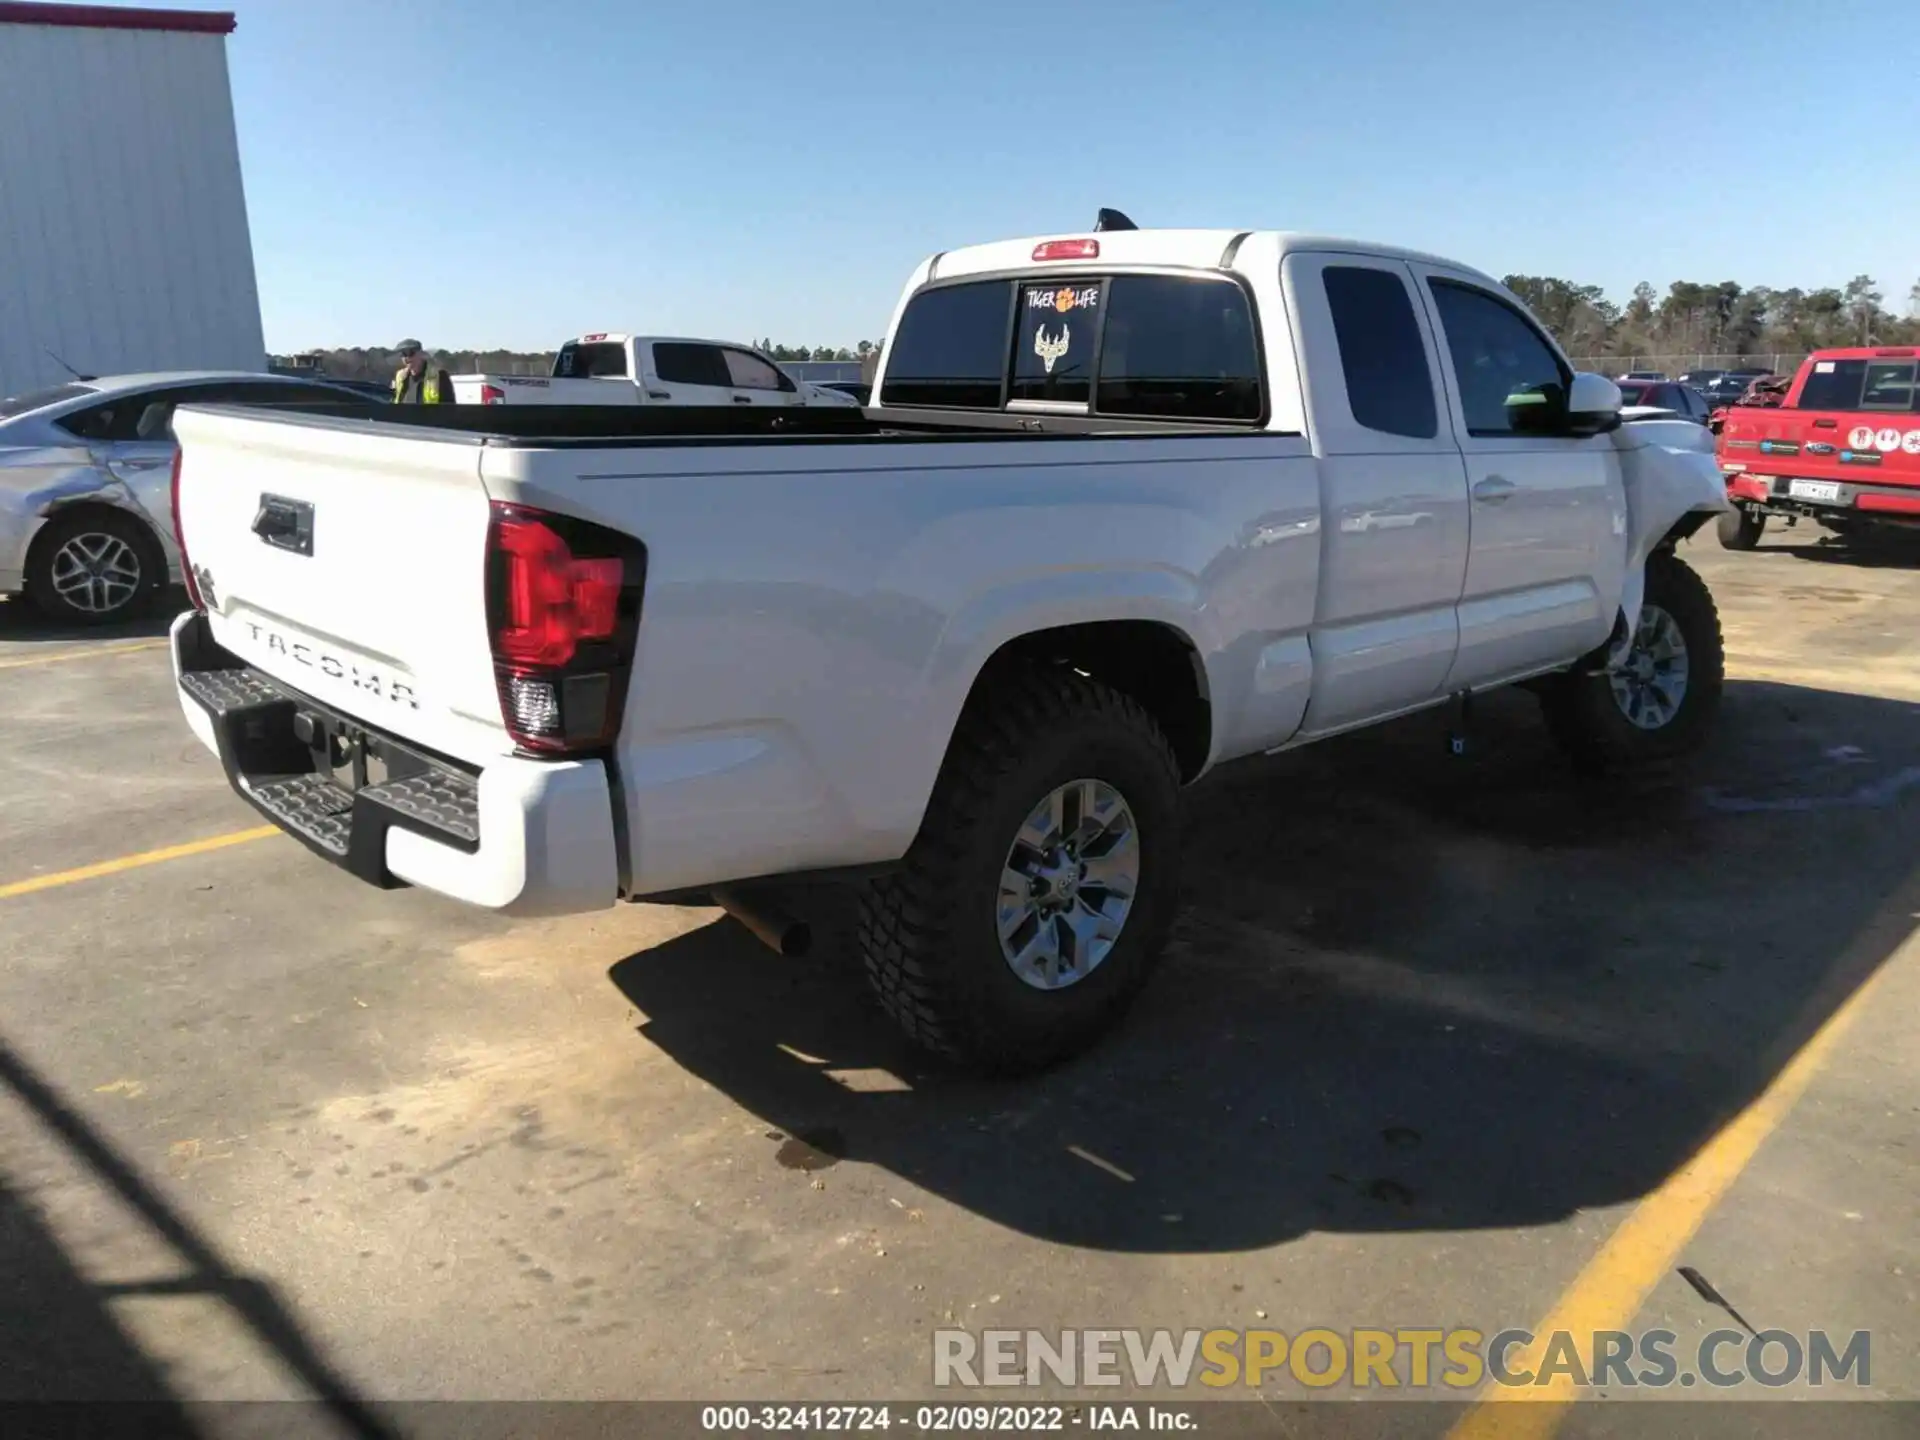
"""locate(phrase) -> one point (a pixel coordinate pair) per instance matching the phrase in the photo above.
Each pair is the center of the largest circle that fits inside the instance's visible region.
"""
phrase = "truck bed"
(574, 426)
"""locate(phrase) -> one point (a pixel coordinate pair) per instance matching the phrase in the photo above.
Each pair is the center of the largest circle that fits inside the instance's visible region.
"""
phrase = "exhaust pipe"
(771, 926)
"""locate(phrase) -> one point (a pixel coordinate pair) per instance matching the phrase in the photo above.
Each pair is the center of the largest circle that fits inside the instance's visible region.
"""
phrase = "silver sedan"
(86, 526)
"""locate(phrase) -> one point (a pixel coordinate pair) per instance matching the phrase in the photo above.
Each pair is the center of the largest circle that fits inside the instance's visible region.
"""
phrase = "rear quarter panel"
(815, 615)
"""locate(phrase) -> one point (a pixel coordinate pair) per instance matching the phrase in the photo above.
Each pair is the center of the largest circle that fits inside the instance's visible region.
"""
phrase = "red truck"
(1842, 448)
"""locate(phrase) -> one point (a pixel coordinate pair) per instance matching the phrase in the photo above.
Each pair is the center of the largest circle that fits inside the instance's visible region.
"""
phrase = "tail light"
(1067, 250)
(563, 613)
(180, 535)
(492, 395)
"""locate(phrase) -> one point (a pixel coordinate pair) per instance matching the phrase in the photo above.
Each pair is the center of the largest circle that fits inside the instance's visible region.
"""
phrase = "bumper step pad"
(254, 718)
(319, 810)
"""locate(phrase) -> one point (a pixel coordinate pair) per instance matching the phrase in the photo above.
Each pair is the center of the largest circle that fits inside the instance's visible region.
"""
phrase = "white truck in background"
(610, 368)
(1132, 504)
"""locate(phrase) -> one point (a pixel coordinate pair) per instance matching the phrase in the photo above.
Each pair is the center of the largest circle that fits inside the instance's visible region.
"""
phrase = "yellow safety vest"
(429, 386)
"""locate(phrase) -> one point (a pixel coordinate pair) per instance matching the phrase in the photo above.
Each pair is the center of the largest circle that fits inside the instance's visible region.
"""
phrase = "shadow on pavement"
(21, 624)
(1406, 992)
(1891, 552)
(58, 1340)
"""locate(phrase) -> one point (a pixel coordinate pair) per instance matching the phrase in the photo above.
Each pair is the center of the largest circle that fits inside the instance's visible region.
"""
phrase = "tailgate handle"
(285, 524)
(1826, 424)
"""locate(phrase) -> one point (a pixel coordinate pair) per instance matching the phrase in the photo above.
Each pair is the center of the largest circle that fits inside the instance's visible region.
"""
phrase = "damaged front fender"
(1673, 487)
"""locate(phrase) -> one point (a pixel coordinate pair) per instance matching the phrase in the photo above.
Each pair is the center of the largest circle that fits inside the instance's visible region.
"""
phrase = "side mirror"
(1593, 405)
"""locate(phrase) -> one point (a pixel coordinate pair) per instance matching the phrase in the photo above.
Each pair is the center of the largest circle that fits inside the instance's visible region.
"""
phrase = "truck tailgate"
(1852, 448)
(347, 563)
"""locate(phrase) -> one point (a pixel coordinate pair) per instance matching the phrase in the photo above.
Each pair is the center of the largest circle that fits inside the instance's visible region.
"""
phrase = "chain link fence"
(1677, 365)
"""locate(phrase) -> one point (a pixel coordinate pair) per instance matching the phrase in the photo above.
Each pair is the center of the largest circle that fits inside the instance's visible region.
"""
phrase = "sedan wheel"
(96, 573)
(94, 567)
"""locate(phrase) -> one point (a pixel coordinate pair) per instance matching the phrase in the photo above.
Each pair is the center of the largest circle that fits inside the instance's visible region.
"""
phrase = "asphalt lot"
(1433, 1031)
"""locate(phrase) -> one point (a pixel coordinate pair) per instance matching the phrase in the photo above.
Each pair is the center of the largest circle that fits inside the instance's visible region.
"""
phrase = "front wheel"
(1038, 894)
(1653, 699)
(1740, 528)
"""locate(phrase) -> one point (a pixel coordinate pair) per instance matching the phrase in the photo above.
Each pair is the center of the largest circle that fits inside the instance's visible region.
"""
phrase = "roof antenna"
(65, 366)
(1113, 220)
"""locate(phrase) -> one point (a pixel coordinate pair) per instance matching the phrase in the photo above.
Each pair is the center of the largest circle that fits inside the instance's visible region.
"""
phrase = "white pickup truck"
(1133, 504)
(609, 368)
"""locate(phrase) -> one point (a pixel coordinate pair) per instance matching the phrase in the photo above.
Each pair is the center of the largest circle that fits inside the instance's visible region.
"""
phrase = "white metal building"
(123, 221)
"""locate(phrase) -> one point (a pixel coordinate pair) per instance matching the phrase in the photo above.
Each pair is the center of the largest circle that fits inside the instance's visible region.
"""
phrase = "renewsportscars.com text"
(1414, 1359)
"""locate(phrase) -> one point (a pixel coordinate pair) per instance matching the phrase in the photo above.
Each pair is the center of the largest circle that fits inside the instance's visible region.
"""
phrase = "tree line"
(1723, 318)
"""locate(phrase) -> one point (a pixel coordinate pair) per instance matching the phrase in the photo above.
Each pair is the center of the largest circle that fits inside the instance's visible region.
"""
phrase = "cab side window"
(750, 372)
(679, 363)
(1510, 379)
(1382, 356)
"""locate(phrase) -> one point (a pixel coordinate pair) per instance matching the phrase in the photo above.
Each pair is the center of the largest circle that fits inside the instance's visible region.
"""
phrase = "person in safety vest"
(414, 384)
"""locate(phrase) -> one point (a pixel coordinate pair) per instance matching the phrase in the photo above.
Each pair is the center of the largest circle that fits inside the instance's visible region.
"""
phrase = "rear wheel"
(1740, 528)
(1034, 902)
(1654, 698)
(94, 567)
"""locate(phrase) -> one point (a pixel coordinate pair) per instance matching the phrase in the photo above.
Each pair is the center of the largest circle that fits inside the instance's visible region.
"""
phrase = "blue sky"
(504, 172)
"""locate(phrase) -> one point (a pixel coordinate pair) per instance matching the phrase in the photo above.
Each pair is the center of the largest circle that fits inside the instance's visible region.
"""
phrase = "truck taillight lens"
(492, 395)
(563, 613)
(180, 535)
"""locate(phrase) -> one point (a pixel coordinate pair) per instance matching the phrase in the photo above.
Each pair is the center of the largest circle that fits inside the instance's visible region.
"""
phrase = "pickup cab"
(608, 368)
(1132, 505)
(1842, 448)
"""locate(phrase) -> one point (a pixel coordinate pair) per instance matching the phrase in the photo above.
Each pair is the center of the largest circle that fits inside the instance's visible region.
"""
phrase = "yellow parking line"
(87, 654)
(134, 862)
(1613, 1287)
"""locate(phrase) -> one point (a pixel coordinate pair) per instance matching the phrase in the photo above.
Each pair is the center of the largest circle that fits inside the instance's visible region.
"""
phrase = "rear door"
(1393, 548)
(689, 372)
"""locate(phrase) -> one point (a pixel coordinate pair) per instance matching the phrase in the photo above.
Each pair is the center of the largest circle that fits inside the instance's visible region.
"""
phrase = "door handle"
(743, 399)
(285, 524)
(141, 463)
(1826, 424)
(1493, 489)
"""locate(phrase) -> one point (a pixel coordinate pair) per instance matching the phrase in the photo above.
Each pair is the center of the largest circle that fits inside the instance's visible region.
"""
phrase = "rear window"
(1179, 349)
(1143, 346)
(1633, 394)
(1833, 385)
(1054, 345)
(950, 348)
(595, 360)
(39, 399)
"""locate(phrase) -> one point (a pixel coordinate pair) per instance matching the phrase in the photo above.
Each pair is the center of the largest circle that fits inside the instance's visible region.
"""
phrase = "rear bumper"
(1893, 504)
(526, 837)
